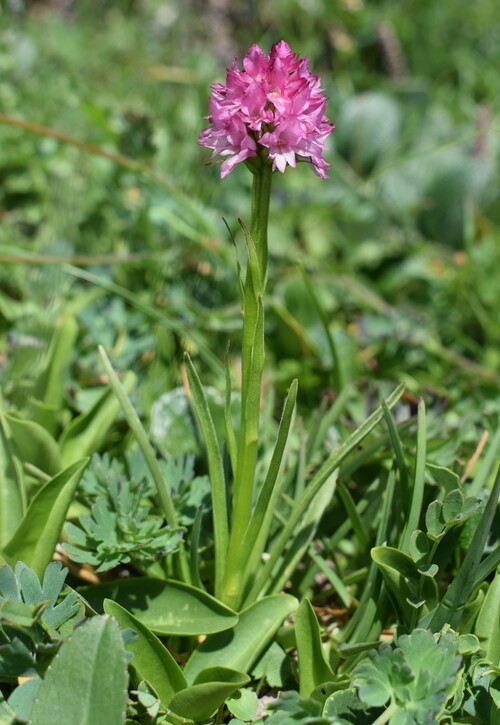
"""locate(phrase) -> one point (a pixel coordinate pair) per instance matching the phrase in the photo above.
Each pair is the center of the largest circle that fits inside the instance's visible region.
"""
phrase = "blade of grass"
(216, 472)
(398, 453)
(194, 564)
(363, 619)
(352, 512)
(332, 577)
(418, 482)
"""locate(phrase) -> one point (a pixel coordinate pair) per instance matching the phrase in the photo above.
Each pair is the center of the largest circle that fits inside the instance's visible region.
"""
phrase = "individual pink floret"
(274, 107)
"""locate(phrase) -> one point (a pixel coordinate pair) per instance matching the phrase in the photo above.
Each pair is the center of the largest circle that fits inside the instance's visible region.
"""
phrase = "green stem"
(261, 196)
(386, 716)
(252, 368)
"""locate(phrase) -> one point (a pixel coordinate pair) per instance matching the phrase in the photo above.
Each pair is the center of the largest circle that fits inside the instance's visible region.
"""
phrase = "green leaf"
(453, 505)
(247, 559)
(348, 708)
(86, 682)
(313, 665)
(419, 547)
(86, 434)
(415, 676)
(165, 607)
(23, 586)
(243, 704)
(274, 665)
(487, 629)
(209, 691)
(152, 660)
(49, 387)
(216, 471)
(36, 537)
(403, 581)
(12, 496)
(22, 699)
(413, 516)
(240, 647)
(443, 476)
(34, 444)
(120, 392)
(434, 520)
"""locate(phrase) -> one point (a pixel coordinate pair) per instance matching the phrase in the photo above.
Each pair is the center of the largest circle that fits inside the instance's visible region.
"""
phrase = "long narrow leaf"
(152, 660)
(398, 454)
(216, 471)
(353, 515)
(37, 535)
(418, 482)
(365, 617)
(141, 438)
(12, 494)
(313, 488)
(230, 436)
(314, 669)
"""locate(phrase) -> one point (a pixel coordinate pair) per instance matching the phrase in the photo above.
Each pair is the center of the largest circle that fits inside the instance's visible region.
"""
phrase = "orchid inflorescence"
(274, 108)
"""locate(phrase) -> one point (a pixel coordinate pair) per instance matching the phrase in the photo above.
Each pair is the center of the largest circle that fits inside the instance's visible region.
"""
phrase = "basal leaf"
(313, 665)
(152, 661)
(240, 647)
(86, 683)
(165, 607)
(36, 537)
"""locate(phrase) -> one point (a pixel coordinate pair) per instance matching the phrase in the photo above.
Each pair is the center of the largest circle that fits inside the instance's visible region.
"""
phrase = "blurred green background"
(394, 259)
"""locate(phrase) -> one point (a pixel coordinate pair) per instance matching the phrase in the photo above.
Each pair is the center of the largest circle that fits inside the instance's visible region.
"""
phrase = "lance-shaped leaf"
(314, 669)
(33, 444)
(216, 471)
(12, 498)
(36, 537)
(152, 660)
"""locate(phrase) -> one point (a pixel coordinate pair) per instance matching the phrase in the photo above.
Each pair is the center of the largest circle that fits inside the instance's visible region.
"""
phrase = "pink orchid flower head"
(274, 108)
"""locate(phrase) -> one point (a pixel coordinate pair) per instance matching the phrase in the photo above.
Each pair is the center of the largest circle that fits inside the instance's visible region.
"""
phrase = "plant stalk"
(252, 368)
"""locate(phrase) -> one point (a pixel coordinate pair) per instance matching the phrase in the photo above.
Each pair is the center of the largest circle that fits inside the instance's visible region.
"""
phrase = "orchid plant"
(269, 115)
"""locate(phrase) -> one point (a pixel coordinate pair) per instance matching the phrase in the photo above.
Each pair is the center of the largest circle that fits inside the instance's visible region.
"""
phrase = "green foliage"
(41, 606)
(87, 679)
(413, 678)
(111, 236)
(36, 536)
(122, 525)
